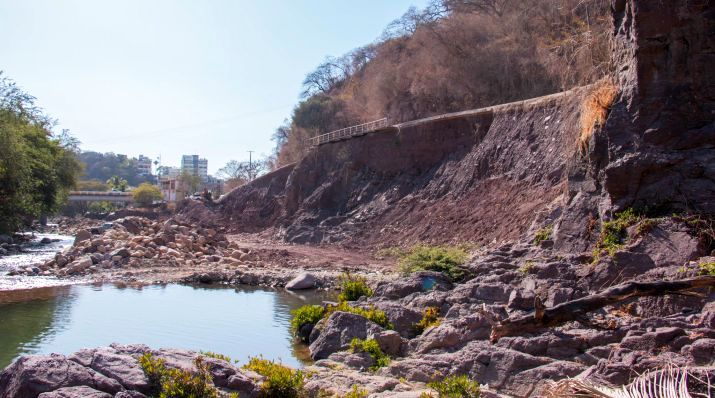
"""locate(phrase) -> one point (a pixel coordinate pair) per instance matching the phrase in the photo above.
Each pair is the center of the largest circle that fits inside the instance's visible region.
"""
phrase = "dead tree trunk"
(577, 309)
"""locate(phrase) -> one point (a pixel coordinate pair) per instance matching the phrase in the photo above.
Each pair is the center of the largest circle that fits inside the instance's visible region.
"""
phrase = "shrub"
(281, 381)
(371, 347)
(145, 194)
(456, 387)
(526, 267)
(356, 392)
(430, 317)
(353, 287)
(178, 383)
(444, 259)
(543, 234)
(389, 252)
(594, 110)
(707, 268)
(614, 233)
(217, 356)
(307, 314)
(373, 314)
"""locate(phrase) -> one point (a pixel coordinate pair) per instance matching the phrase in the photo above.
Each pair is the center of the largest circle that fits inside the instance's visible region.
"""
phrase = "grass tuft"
(353, 287)
(543, 234)
(594, 110)
(178, 383)
(455, 387)
(430, 318)
(281, 381)
(305, 315)
(445, 259)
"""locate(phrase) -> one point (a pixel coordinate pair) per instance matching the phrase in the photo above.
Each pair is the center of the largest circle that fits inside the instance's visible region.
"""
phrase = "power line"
(186, 126)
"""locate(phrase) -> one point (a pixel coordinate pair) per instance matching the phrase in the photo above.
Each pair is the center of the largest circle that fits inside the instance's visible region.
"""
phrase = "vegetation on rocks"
(306, 315)
(707, 268)
(455, 387)
(372, 314)
(356, 392)
(178, 383)
(543, 234)
(371, 347)
(430, 317)
(353, 287)
(281, 381)
(614, 233)
(445, 259)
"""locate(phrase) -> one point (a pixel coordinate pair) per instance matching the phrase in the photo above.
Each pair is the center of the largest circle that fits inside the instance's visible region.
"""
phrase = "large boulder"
(80, 265)
(302, 281)
(75, 392)
(32, 375)
(81, 236)
(121, 367)
(338, 331)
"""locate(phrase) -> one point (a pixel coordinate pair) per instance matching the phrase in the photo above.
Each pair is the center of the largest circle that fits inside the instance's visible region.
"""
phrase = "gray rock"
(122, 252)
(390, 342)
(121, 367)
(80, 265)
(81, 236)
(339, 330)
(75, 392)
(32, 375)
(302, 281)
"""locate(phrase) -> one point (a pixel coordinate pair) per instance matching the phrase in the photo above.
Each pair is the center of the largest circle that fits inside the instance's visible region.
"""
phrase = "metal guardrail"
(348, 132)
(99, 193)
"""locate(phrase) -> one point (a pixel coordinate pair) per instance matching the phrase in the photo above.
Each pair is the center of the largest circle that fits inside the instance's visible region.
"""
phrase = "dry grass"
(595, 110)
(670, 382)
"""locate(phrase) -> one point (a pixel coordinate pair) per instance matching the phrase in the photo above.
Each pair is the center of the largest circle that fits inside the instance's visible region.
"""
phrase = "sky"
(172, 77)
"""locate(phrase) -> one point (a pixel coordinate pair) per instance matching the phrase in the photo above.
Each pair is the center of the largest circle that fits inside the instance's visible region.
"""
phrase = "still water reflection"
(238, 322)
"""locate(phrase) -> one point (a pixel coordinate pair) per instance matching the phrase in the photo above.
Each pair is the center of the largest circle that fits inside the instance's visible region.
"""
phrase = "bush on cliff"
(445, 259)
(353, 287)
(430, 318)
(306, 315)
(281, 381)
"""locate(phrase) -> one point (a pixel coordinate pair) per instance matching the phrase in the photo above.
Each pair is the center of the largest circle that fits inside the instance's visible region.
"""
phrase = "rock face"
(108, 372)
(338, 331)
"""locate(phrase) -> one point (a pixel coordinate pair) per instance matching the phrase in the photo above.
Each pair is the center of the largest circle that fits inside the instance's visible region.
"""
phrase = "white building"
(143, 165)
(195, 165)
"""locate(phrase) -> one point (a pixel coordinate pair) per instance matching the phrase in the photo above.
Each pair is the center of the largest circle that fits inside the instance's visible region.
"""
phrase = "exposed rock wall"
(495, 175)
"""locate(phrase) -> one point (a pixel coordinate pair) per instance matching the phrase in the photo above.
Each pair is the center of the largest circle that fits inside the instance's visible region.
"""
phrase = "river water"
(42, 315)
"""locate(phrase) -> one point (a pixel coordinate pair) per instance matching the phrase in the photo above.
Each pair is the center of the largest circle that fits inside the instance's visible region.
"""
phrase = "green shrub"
(307, 314)
(456, 387)
(214, 355)
(447, 260)
(371, 347)
(356, 392)
(526, 267)
(178, 383)
(353, 287)
(707, 268)
(373, 314)
(430, 317)
(614, 233)
(281, 381)
(543, 234)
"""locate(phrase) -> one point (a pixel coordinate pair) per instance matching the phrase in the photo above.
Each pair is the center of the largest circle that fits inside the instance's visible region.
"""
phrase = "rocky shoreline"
(609, 346)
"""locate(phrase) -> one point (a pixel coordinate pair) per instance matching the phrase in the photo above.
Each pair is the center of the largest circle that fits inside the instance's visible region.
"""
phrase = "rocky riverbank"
(610, 345)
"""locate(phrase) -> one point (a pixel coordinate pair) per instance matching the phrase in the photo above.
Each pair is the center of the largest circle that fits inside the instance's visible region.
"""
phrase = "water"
(34, 253)
(238, 322)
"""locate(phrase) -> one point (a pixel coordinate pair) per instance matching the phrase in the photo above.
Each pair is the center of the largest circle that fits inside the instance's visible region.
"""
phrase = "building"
(195, 165)
(168, 171)
(143, 165)
(169, 188)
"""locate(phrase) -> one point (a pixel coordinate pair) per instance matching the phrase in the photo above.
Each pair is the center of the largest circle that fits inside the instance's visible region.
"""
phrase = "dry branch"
(577, 309)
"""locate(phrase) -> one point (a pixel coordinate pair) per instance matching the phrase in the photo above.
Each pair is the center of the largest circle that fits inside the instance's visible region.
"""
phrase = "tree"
(91, 185)
(145, 194)
(118, 183)
(189, 182)
(238, 173)
(37, 167)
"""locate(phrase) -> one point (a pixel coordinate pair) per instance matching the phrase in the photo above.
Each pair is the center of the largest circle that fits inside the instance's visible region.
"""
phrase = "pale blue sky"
(173, 77)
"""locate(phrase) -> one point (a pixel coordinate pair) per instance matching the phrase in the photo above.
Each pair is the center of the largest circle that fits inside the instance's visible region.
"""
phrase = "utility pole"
(250, 165)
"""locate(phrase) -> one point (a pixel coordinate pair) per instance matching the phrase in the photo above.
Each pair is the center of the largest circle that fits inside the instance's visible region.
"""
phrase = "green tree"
(37, 167)
(145, 194)
(91, 185)
(118, 183)
(189, 182)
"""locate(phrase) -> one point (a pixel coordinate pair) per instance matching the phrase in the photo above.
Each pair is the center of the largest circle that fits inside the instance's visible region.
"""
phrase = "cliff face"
(498, 173)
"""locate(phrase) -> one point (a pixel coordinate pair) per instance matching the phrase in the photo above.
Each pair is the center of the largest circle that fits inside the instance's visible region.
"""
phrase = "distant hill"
(102, 166)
